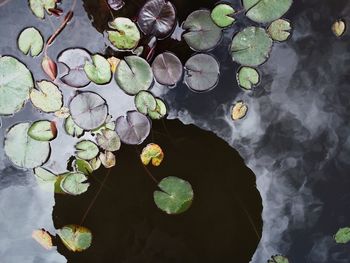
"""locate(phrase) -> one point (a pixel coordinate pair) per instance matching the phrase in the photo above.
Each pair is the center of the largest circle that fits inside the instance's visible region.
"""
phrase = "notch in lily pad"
(39, 7)
(248, 77)
(145, 101)
(43, 130)
(31, 41)
(71, 128)
(279, 30)
(160, 111)
(73, 183)
(167, 69)
(86, 150)
(278, 259)
(126, 36)
(222, 15)
(99, 71)
(75, 238)
(152, 153)
(343, 235)
(47, 98)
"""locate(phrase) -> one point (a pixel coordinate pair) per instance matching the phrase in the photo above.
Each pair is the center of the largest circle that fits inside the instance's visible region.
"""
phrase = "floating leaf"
(16, 83)
(86, 150)
(108, 125)
(152, 152)
(108, 140)
(278, 259)
(167, 69)
(39, 7)
(47, 98)
(251, 47)
(144, 101)
(343, 235)
(95, 163)
(43, 131)
(24, 151)
(88, 110)
(74, 183)
(239, 110)
(222, 15)
(248, 77)
(62, 113)
(175, 197)
(83, 166)
(100, 71)
(31, 40)
(71, 128)
(74, 60)
(157, 18)
(265, 11)
(116, 4)
(339, 28)
(202, 33)
(127, 35)
(279, 30)
(159, 112)
(43, 238)
(107, 159)
(46, 179)
(202, 72)
(134, 128)
(49, 67)
(113, 62)
(133, 75)
(75, 238)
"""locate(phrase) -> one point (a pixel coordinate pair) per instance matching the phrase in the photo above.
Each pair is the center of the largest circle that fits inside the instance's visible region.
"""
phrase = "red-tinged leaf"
(43, 238)
(53, 128)
(49, 67)
(56, 11)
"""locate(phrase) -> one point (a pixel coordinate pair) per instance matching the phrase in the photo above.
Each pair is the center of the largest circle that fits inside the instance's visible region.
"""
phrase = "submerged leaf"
(47, 98)
(239, 110)
(167, 69)
(279, 30)
(86, 150)
(31, 40)
(43, 238)
(71, 128)
(343, 235)
(39, 7)
(100, 71)
(152, 152)
(43, 131)
(75, 238)
(49, 67)
(248, 77)
(144, 102)
(222, 15)
(116, 4)
(46, 179)
(339, 28)
(108, 140)
(278, 259)
(159, 112)
(127, 35)
(108, 159)
(74, 183)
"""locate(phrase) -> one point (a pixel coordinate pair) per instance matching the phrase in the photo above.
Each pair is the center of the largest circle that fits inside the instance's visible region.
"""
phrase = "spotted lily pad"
(24, 151)
(46, 179)
(278, 259)
(74, 183)
(339, 27)
(175, 197)
(108, 140)
(86, 150)
(88, 110)
(75, 238)
(222, 15)
(251, 47)
(126, 36)
(159, 112)
(157, 18)
(39, 7)
(134, 74)
(239, 110)
(71, 128)
(134, 128)
(279, 30)
(248, 77)
(343, 235)
(167, 69)
(43, 131)
(31, 40)
(16, 83)
(202, 34)
(99, 71)
(265, 11)
(152, 153)
(145, 101)
(47, 98)
(202, 72)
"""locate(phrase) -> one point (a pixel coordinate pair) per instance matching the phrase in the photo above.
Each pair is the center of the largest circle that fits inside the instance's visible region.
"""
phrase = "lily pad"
(74, 183)
(152, 153)
(134, 74)
(278, 259)
(265, 11)
(108, 159)
(222, 15)
(47, 98)
(248, 77)
(39, 7)
(75, 238)
(109, 124)
(74, 60)
(49, 67)
(251, 47)
(127, 35)
(46, 179)
(43, 238)
(24, 151)
(159, 112)
(167, 69)
(95, 163)
(62, 113)
(175, 197)
(16, 83)
(202, 34)
(116, 4)
(72, 129)
(157, 18)
(134, 128)
(43, 131)
(343, 235)
(339, 27)
(83, 166)
(99, 71)
(86, 150)
(202, 72)
(88, 110)
(279, 30)
(108, 140)
(31, 40)
(144, 101)
(239, 110)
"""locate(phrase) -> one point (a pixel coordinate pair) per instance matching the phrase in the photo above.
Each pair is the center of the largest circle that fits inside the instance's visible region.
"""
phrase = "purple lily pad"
(116, 4)
(167, 69)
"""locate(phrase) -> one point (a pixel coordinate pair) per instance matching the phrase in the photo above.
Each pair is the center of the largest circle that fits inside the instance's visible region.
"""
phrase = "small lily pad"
(239, 110)
(175, 197)
(202, 34)
(74, 183)
(134, 128)
(75, 238)
(43, 238)
(202, 72)
(116, 4)
(278, 259)
(43, 131)
(86, 150)
(39, 7)
(152, 153)
(126, 36)
(279, 30)
(144, 102)
(83, 166)
(62, 113)
(159, 112)
(134, 74)
(222, 15)
(31, 40)
(167, 69)
(95, 163)
(107, 159)
(108, 140)
(72, 129)
(109, 124)
(49, 67)
(248, 77)
(99, 71)
(46, 179)
(113, 62)
(47, 98)
(339, 27)
(343, 235)
(251, 47)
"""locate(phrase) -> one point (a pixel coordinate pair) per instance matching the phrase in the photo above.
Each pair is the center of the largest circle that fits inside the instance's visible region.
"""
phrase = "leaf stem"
(146, 169)
(109, 8)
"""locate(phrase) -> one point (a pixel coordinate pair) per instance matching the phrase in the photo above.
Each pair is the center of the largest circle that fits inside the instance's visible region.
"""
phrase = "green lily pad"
(31, 40)
(24, 151)
(343, 235)
(144, 101)
(108, 140)
(39, 7)
(16, 83)
(74, 183)
(251, 47)
(159, 112)
(47, 98)
(222, 15)
(75, 238)
(202, 34)
(43, 131)
(99, 71)
(279, 30)
(72, 129)
(83, 166)
(175, 197)
(46, 179)
(278, 259)
(127, 35)
(134, 74)
(86, 150)
(266, 11)
(248, 77)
